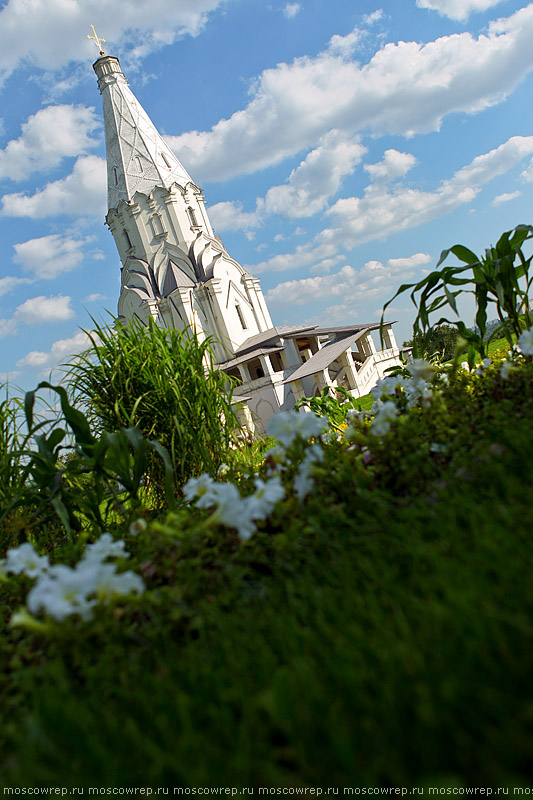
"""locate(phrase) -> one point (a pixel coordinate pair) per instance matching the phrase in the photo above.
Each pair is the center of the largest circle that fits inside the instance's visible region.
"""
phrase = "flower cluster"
(62, 591)
(229, 508)
(293, 430)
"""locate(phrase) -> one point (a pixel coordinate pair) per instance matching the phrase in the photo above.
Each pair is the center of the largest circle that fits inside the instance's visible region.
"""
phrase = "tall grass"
(11, 445)
(162, 382)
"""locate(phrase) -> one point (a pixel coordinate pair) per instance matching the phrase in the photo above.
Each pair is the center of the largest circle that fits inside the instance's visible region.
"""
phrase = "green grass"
(379, 635)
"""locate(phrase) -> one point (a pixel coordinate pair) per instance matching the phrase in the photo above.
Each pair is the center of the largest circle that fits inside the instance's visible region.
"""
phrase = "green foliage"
(440, 343)
(83, 479)
(12, 442)
(161, 382)
(397, 599)
(500, 278)
(334, 406)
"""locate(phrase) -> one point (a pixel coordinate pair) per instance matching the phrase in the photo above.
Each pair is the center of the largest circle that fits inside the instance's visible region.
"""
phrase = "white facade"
(178, 272)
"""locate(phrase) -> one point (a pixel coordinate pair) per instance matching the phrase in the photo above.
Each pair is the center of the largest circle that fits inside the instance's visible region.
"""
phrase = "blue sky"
(341, 146)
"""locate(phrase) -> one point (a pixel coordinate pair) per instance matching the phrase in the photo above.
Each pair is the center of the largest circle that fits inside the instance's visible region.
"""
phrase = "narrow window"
(241, 316)
(127, 239)
(115, 175)
(166, 161)
(138, 164)
(192, 217)
(157, 225)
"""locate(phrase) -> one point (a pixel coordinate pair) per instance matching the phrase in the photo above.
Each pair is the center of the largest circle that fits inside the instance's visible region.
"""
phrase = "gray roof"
(325, 356)
(259, 351)
(272, 334)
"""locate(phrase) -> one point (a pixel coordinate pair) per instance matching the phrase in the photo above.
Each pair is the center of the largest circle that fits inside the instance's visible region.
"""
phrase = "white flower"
(420, 369)
(198, 487)
(25, 560)
(104, 548)
(61, 594)
(525, 342)
(506, 369)
(483, 366)
(419, 390)
(265, 497)
(137, 527)
(286, 426)
(382, 420)
(303, 482)
(108, 582)
(388, 385)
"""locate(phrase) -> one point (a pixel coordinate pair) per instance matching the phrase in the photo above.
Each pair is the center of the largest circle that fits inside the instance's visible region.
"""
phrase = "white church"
(177, 271)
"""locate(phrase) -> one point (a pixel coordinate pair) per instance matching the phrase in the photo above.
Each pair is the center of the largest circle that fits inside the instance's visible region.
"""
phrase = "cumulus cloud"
(59, 351)
(405, 88)
(372, 280)
(47, 137)
(53, 33)
(394, 165)
(305, 255)
(316, 179)
(50, 256)
(45, 309)
(80, 193)
(291, 9)
(37, 310)
(230, 216)
(457, 9)
(382, 210)
(307, 190)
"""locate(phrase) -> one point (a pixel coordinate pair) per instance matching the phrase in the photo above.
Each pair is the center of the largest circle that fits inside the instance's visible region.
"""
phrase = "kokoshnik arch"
(178, 272)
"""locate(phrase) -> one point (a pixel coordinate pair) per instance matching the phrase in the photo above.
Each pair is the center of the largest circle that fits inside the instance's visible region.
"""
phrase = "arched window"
(127, 239)
(115, 175)
(138, 164)
(192, 217)
(166, 161)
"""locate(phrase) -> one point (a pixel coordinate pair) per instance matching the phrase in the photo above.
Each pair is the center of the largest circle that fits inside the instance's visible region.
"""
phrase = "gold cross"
(98, 41)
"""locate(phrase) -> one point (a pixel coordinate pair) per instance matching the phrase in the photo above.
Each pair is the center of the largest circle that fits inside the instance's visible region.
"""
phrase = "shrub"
(162, 382)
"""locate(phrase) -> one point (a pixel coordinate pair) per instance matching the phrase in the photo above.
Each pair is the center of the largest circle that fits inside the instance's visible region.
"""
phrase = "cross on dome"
(97, 39)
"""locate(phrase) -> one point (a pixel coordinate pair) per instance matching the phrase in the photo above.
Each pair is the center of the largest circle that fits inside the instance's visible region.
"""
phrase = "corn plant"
(500, 278)
(161, 382)
(12, 441)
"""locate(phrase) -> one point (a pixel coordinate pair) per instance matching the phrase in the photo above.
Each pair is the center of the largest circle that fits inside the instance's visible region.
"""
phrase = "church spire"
(138, 159)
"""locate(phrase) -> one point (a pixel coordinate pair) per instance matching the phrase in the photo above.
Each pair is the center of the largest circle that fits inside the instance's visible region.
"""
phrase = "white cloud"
(505, 197)
(50, 256)
(291, 9)
(44, 309)
(372, 280)
(307, 190)
(394, 165)
(405, 88)
(304, 256)
(316, 179)
(9, 283)
(229, 216)
(94, 298)
(80, 193)
(49, 136)
(457, 9)
(59, 351)
(382, 211)
(36, 310)
(53, 33)
(375, 16)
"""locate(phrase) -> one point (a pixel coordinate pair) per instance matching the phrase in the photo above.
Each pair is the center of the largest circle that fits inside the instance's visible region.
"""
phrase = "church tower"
(174, 268)
(176, 271)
